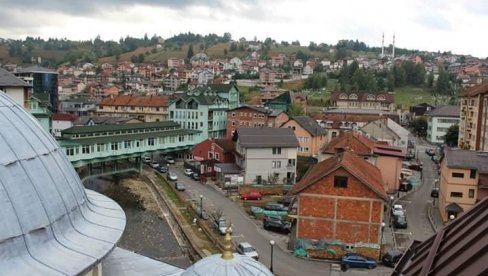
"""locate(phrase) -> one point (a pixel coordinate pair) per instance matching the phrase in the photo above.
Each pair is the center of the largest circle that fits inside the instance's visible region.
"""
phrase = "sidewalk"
(435, 218)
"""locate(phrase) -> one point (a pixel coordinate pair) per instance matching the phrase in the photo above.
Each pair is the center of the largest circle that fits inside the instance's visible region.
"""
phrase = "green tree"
(190, 53)
(390, 81)
(419, 126)
(381, 84)
(442, 86)
(452, 135)
(430, 80)
(296, 110)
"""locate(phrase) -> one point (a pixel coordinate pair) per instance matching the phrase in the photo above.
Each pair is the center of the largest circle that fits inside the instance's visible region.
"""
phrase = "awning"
(454, 207)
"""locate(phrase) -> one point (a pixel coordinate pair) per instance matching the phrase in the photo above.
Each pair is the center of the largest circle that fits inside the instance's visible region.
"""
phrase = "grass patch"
(169, 191)
(409, 96)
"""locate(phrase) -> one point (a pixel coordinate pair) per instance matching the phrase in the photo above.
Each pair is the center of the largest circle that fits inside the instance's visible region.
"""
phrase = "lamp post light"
(381, 240)
(391, 208)
(201, 206)
(271, 243)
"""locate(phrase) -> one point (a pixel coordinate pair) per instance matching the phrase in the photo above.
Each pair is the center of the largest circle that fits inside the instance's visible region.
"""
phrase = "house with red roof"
(387, 158)
(212, 151)
(340, 203)
(62, 121)
(146, 108)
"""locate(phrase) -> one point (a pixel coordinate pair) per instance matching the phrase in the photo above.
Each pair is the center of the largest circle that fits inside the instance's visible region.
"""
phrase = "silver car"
(245, 248)
(172, 176)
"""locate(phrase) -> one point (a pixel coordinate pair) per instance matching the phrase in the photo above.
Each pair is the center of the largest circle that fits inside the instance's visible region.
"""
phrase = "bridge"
(110, 149)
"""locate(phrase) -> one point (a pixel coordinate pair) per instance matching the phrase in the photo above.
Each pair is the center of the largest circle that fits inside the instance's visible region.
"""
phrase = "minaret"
(383, 46)
(393, 51)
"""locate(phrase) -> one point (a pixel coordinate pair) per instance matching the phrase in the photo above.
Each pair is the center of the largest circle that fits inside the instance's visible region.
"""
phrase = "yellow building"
(473, 130)
(462, 181)
(311, 136)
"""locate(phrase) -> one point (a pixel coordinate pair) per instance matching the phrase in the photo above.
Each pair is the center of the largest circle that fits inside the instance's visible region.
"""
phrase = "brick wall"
(350, 215)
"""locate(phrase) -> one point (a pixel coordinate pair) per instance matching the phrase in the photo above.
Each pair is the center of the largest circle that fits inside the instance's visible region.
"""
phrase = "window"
(471, 193)
(456, 194)
(276, 150)
(340, 181)
(114, 146)
(259, 179)
(233, 114)
(210, 155)
(217, 156)
(85, 149)
(472, 174)
(70, 151)
(276, 164)
(127, 144)
(291, 162)
(458, 175)
(150, 141)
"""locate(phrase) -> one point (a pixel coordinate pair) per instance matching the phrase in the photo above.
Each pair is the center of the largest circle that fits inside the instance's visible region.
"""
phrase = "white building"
(439, 120)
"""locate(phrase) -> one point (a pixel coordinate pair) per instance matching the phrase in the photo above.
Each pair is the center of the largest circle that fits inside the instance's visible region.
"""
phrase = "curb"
(431, 220)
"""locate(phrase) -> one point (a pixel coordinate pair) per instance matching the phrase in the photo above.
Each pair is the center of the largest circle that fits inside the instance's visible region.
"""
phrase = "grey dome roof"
(239, 265)
(50, 225)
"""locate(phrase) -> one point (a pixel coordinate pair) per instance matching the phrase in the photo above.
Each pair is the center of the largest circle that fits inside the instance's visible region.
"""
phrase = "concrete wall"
(259, 161)
(390, 168)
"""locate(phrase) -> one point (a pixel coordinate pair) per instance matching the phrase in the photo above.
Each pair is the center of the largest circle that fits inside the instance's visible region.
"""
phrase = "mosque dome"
(227, 264)
(50, 224)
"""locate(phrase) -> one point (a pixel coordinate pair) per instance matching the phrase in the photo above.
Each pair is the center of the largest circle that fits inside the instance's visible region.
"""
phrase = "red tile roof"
(129, 100)
(366, 172)
(226, 144)
(475, 90)
(64, 117)
(353, 141)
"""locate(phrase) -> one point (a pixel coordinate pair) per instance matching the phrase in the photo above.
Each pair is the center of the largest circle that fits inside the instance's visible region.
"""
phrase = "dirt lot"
(146, 232)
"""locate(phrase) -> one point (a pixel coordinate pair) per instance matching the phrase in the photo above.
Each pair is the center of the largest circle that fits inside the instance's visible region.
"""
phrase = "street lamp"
(391, 207)
(201, 206)
(272, 243)
(381, 241)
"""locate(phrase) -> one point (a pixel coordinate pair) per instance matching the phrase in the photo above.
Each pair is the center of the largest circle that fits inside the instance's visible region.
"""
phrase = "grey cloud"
(86, 8)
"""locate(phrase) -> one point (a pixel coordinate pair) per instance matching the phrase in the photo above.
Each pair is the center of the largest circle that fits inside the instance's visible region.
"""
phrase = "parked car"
(201, 215)
(146, 159)
(357, 260)
(169, 159)
(245, 248)
(188, 172)
(410, 155)
(430, 152)
(195, 176)
(286, 200)
(277, 224)
(251, 196)
(274, 206)
(434, 193)
(172, 176)
(400, 222)
(163, 169)
(154, 165)
(391, 258)
(221, 225)
(179, 186)
(436, 159)
(397, 209)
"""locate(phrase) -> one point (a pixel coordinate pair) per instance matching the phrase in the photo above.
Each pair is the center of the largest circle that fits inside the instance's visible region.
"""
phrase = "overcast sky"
(450, 25)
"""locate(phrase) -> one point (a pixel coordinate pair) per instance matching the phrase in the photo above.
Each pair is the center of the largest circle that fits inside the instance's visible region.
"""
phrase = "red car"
(251, 196)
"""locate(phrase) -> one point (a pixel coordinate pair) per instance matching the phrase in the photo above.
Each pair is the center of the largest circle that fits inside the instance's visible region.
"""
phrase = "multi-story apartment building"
(267, 155)
(145, 108)
(462, 181)
(43, 80)
(175, 62)
(78, 106)
(439, 121)
(311, 136)
(473, 124)
(203, 109)
(267, 76)
(249, 116)
(363, 100)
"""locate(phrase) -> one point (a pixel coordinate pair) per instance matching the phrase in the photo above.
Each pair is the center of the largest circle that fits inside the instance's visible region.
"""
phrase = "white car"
(245, 248)
(188, 172)
(398, 210)
(154, 165)
(169, 159)
(146, 159)
(172, 176)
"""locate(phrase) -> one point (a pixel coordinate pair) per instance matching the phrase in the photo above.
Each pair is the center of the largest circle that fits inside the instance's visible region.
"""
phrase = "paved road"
(246, 229)
(416, 203)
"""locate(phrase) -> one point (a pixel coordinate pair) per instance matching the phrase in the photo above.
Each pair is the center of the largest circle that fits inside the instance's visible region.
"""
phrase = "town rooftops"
(475, 90)
(261, 109)
(351, 162)
(36, 69)
(7, 79)
(359, 111)
(64, 117)
(361, 145)
(457, 249)
(226, 144)
(310, 125)
(445, 111)
(121, 127)
(267, 137)
(466, 159)
(139, 101)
